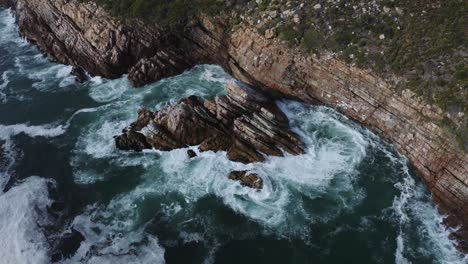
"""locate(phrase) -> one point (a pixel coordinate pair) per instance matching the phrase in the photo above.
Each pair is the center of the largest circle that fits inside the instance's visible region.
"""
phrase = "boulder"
(191, 153)
(80, 74)
(246, 123)
(247, 179)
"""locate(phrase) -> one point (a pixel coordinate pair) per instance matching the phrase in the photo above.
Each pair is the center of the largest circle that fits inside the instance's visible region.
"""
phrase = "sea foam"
(23, 211)
(414, 209)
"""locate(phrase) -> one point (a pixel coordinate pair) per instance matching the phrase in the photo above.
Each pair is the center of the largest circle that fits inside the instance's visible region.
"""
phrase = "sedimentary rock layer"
(82, 34)
(245, 123)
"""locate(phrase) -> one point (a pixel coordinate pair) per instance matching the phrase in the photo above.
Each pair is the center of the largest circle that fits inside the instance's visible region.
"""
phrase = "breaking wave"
(113, 242)
(328, 169)
(7, 131)
(413, 209)
(23, 213)
(8, 32)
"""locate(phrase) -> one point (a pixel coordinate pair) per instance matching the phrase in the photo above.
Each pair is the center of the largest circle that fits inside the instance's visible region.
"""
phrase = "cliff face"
(84, 35)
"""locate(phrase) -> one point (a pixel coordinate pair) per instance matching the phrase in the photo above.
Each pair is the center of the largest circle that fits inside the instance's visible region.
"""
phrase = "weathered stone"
(191, 153)
(144, 118)
(163, 64)
(245, 123)
(244, 153)
(245, 178)
(80, 74)
(216, 143)
(131, 140)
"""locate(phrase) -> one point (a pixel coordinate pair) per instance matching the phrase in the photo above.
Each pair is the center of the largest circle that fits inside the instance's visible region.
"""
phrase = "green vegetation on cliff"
(166, 12)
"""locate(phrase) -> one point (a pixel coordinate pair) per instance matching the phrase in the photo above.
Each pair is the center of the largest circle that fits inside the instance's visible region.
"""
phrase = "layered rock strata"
(81, 34)
(245, 178)
(245, 123)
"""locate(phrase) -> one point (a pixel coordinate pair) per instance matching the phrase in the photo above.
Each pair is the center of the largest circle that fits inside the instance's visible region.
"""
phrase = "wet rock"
(191, 153)
(80, 74)
(216, 143)
(244, 153)
(245, 123)
(165, 63)
(131, 140)
(144, 118)
(247, 179)
(68, 245)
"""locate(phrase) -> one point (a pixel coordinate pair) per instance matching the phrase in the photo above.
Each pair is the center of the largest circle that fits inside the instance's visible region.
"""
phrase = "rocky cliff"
(84, 35)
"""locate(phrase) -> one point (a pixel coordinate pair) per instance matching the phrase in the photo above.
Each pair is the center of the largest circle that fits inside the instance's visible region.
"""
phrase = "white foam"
(309, 174)
(23, 211)
(11, 154)
(113, 241)
(214, 73)
(99, 143)
(103, 90)
(415, 212)
(7, 131)
(45, 73)
(399, 258)
(3, 85)
(335, 147)
(8, 32)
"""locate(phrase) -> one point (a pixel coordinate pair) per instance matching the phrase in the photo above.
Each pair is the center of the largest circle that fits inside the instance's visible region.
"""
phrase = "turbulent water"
(68, 195)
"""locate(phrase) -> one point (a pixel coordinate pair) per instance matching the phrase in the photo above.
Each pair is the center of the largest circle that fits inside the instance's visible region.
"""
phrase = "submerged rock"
(80, 74)
(245, 178)
(191, 153)
(67, 245)
(245, 123)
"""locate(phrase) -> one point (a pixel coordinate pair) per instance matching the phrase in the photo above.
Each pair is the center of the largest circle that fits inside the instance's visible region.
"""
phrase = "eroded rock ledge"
(246, 123)
(81, 34)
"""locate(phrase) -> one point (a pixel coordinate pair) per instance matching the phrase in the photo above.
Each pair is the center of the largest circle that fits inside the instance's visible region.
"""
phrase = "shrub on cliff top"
(165, 12)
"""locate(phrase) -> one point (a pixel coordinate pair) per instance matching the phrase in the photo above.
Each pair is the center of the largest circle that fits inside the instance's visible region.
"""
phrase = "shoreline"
(105, 46)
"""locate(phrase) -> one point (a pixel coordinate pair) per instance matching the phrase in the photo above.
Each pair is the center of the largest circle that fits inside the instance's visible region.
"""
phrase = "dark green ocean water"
(68, 195)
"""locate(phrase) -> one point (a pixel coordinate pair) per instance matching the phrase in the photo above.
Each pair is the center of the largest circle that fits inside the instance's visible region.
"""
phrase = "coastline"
(105, 46)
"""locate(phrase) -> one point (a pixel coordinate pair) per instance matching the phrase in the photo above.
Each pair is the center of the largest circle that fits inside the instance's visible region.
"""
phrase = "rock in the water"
(245, 178)
(80, 74)
(246, 123)
(216, 143)
(191, 153)
(131, 140)
(244, 153)
(163, 64)
(67, 245)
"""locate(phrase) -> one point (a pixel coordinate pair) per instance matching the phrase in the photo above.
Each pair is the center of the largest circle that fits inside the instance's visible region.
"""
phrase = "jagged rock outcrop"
(245, 123)
(80, 74)
(245, 178)
(81, 34)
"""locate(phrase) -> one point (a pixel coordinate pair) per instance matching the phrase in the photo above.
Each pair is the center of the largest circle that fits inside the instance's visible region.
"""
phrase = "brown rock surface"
(237, 123)
(248, 179)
